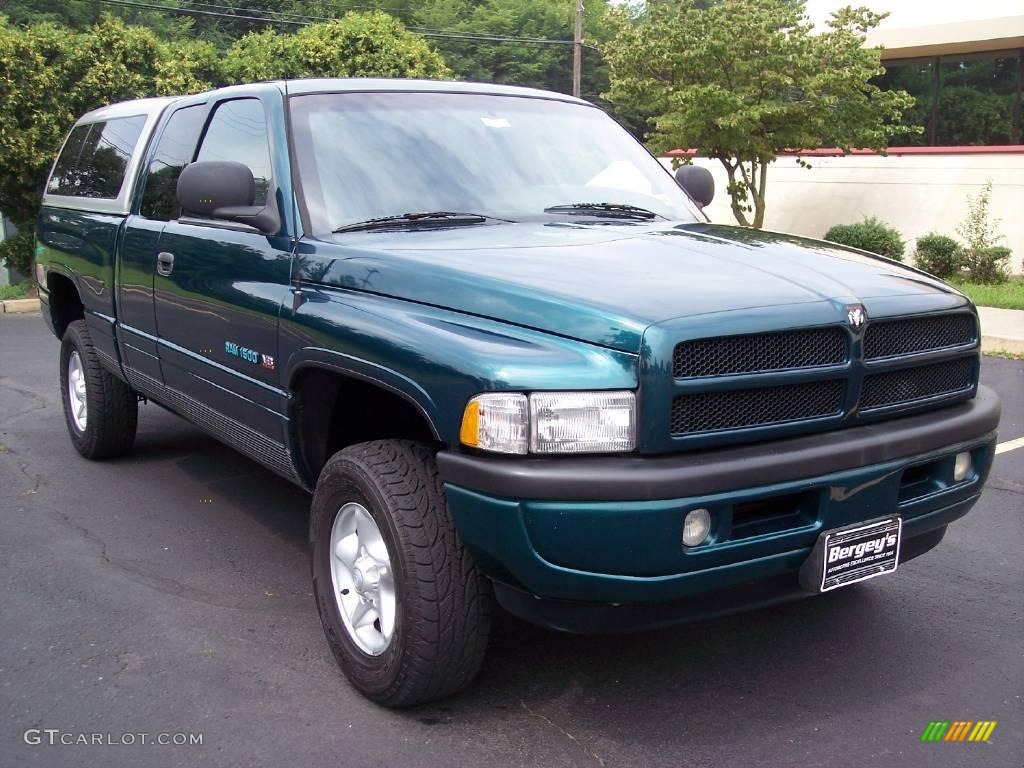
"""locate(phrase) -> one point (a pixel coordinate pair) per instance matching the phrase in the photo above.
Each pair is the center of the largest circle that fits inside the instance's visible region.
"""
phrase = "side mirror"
(224, 190)
(697, 182)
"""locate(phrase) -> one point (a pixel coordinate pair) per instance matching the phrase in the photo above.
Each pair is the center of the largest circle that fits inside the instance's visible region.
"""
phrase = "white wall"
(916, 193)
(934, 27)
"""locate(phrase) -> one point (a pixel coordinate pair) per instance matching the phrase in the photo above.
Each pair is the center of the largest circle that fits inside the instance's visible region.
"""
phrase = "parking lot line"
(1010, 445)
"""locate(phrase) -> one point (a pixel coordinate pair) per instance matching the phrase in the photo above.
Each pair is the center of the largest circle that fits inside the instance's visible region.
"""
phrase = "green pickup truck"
(509, 356)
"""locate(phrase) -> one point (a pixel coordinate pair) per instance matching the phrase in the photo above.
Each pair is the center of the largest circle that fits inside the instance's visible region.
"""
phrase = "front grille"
(888, 338)
(735, 409)
(756, 352)
(910, 384)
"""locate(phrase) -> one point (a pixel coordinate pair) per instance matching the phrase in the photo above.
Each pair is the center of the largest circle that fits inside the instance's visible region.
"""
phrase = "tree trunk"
(748, 188)
(762, 182)
(734, 199)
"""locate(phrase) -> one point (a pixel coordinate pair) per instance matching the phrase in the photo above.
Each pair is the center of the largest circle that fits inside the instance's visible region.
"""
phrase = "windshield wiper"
(418, 218)
(617, 210)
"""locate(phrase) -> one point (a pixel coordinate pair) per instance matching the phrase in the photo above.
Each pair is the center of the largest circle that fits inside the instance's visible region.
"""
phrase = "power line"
(291, 17)
(197, 12)
(302, 21)
(301, 16)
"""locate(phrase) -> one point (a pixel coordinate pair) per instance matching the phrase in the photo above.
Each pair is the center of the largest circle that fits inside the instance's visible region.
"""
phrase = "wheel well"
(65, 304)
(332, 411)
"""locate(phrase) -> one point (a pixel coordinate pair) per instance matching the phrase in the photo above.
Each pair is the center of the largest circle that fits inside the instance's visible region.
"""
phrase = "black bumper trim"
(643, 478)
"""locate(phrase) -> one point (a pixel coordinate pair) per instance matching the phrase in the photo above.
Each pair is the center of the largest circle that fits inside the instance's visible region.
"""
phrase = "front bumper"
(602, 530)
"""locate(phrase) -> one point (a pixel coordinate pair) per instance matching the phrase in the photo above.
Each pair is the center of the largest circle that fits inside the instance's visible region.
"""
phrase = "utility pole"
(577, 49)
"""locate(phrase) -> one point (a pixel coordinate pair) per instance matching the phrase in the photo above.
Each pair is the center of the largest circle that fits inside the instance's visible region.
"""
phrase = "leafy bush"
(990, 265)
(50, 74)
(869, 235)
(984, 258)
(17, 252)
(939, 255)
(357, 45)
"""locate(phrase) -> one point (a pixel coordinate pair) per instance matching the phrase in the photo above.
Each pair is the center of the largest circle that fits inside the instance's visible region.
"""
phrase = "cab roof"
(355, 84)
(155, 106)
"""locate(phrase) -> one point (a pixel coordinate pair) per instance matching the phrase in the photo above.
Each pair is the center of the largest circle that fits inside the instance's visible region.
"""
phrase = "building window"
(969, 100)
(916, 77)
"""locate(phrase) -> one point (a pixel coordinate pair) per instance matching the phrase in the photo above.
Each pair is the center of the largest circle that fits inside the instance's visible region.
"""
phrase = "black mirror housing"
(224, 190)
(697, 182)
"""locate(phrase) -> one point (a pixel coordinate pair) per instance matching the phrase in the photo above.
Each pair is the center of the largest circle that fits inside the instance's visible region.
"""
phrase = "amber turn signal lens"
(469, 434)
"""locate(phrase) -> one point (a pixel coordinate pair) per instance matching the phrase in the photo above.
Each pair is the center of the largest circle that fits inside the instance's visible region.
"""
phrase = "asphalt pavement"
(168, 593)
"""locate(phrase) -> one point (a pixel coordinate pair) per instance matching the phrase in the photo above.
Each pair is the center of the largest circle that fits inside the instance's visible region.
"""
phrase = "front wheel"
(404, 608)
(101, 411)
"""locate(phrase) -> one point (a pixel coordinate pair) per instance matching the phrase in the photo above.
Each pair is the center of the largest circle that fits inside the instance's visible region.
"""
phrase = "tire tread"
(113, 406)
(450, 614)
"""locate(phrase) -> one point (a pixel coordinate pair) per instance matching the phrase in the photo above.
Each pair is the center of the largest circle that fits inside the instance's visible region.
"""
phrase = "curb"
(1002, 330)
(19, 306)
(1000, 344)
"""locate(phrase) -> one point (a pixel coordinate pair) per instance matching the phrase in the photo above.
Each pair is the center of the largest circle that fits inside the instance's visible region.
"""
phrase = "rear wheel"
(403, 606)
(101, 410)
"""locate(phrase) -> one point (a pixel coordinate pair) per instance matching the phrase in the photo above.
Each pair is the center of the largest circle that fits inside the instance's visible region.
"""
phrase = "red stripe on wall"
(1005, 149)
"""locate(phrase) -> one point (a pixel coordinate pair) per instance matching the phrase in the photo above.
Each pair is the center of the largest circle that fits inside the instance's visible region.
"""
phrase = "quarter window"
(95, 157)
(238, 132)
(173, 152)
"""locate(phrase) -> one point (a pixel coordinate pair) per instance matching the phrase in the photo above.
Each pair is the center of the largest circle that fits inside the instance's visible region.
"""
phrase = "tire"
(442, 604)
(111, 408)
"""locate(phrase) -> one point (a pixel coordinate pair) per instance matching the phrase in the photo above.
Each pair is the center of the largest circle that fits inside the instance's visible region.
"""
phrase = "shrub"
(869, 235)
(985, 260)
(940, 255)
(17, 252)
(356, 45)
(989, 265)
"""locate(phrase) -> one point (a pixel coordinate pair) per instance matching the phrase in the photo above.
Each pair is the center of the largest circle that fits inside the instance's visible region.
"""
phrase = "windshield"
(364, 156)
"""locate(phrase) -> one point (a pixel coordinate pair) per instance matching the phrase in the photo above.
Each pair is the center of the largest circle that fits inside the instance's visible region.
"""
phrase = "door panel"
(217, 315)
(217, 308)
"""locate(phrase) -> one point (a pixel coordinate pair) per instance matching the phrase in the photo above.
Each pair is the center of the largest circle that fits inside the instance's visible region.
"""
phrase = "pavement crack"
(552, 724)
(39, 402)
(37, 480)
(1001, 484)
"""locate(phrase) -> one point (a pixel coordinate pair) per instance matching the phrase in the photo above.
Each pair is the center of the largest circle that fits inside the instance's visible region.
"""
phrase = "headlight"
(551, 422)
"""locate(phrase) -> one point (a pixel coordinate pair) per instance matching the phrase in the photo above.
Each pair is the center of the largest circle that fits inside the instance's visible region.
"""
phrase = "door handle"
(164, 263)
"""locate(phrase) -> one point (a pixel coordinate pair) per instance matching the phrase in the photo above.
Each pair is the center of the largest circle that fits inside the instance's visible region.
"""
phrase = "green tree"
(741, 81)
(357, 45)
(445, 22)
(79, 15)
(50, 75)
(520, 63)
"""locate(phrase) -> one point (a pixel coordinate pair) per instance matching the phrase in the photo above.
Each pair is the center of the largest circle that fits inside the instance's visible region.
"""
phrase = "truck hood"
(606, 284)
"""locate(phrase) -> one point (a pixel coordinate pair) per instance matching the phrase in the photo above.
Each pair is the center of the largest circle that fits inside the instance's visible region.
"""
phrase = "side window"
(95, 157)
(238, 132)
(173, 152)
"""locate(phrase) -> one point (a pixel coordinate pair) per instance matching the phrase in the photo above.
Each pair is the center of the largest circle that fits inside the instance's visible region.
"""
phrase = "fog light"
(696, 527)
(962, 466)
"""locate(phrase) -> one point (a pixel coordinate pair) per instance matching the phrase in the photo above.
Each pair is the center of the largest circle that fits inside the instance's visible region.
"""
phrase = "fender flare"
(372, 373)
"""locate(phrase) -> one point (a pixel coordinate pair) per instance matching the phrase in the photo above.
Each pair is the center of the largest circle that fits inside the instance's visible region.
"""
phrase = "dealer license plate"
(859, 552)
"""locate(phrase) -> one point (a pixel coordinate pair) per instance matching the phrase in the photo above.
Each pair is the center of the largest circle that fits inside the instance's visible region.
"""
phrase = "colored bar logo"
(958, 730)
